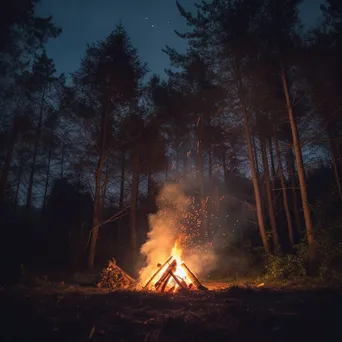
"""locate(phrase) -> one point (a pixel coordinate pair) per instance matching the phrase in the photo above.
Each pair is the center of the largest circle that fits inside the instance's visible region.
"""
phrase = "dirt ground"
(73, 313)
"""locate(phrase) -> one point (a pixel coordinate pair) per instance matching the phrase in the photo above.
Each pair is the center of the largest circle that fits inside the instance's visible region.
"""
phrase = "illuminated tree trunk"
(293, 181)
(256, 154)
(254, 179)
(284, 190)
(274, 174)
(269, 194)
(300, 167)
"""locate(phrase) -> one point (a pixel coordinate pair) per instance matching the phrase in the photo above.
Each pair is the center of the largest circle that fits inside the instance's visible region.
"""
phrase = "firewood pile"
(113, 277)
(170, 282)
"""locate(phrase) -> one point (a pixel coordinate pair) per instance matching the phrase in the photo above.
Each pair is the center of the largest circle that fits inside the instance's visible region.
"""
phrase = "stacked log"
(114, 277)
(179, 284)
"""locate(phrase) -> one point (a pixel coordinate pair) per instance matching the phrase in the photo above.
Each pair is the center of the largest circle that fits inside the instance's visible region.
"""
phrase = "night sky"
(149, 23)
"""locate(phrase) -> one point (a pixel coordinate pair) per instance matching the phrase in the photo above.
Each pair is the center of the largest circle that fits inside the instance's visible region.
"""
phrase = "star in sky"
(149, 23)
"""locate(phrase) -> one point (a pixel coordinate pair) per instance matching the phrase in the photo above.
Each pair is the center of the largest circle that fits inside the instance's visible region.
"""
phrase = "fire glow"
(173, 275)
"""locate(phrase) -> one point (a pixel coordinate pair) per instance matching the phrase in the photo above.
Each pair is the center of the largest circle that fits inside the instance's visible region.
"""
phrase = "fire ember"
(173, 276)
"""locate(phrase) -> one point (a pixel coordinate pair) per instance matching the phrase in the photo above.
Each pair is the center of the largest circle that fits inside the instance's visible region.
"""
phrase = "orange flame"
(179, 272)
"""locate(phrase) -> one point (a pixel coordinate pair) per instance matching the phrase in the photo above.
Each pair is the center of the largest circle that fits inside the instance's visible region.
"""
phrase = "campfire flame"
(177, 255)
(165, 240)
(174, 275)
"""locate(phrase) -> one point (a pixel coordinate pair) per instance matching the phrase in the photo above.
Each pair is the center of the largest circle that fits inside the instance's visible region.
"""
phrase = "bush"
(285, 266)
(328, 263)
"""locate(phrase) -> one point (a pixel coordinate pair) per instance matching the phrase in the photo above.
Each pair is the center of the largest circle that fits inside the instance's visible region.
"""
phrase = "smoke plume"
(167, 227)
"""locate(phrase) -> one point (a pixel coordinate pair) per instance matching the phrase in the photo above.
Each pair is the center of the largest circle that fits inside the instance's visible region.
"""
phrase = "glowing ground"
(235, 314)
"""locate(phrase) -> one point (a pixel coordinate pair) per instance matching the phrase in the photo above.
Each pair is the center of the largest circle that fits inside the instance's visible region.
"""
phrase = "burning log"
(155, 274)
(175, 276)
(179, 283)
(170, 268)
(193, 278)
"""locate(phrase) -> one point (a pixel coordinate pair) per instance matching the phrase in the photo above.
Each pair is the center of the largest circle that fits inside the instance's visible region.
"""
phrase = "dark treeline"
(251, 117)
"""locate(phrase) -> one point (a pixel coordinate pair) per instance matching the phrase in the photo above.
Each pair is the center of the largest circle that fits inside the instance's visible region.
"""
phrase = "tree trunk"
(284, 190)
(96, 213)
(256, 156)
(97, 193)
(334, 158)
(150, 188)
(269, 194)
(35, 151)
(274, 174)
(254, 178)
(47, 177)
(8, 159)
(300, 167)
(122, 179)
(104, 189)
(20, 171)
(133, 216)
(293, 181)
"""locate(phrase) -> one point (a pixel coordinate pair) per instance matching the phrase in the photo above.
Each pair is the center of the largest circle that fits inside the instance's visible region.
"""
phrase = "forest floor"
(69, 312)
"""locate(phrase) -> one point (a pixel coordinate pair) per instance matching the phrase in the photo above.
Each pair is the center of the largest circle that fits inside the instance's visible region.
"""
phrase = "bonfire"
(173, 276)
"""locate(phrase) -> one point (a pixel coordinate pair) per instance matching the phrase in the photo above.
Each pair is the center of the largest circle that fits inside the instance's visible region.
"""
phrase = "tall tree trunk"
(133, 214)
(122, 179)
(269, 194)
(96, 213)
(254, 178)
(35, 152)
(274, 174)
(300, 167)
(256, 155)
(284, 190)
(47, 177)
(20, 171)
(293, 181)
(334, 158)
(97, 193)
(104, 188)
(150, 188)
(8, 159)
